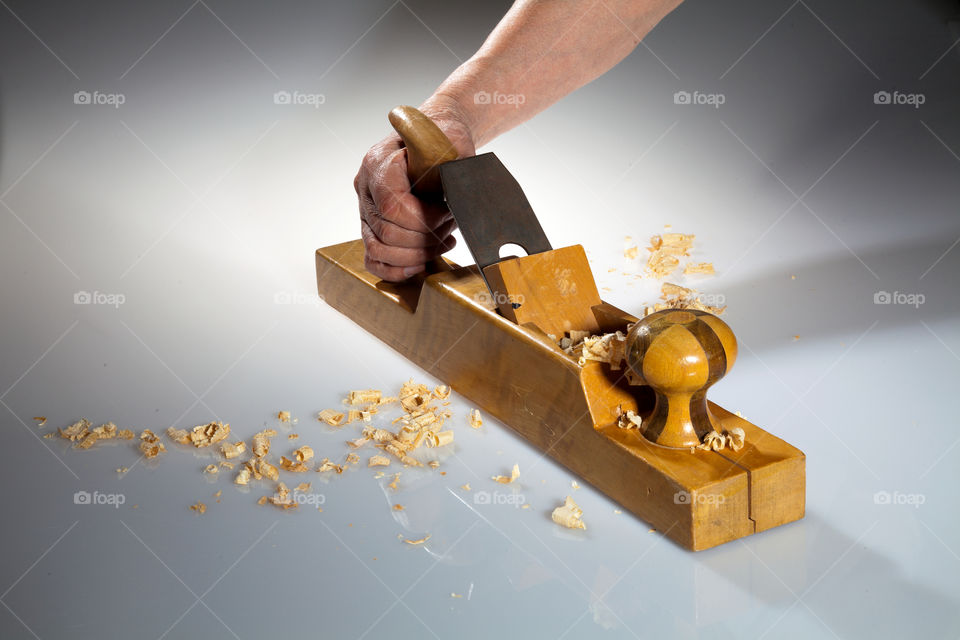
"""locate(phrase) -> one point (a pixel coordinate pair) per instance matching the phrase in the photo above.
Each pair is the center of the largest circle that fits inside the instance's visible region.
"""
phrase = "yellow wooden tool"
(497, 346)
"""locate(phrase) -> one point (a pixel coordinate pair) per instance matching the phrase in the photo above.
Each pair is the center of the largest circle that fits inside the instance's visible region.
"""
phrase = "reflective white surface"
(200, 201)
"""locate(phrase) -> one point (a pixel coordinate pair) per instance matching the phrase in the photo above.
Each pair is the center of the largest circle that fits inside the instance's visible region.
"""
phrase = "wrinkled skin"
(401, 232)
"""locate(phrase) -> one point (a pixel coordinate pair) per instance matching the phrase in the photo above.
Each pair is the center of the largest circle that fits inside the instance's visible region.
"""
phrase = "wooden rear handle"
(427, 148)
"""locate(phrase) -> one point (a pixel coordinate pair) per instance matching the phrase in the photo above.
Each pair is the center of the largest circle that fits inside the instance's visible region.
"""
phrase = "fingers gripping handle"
(427, 148)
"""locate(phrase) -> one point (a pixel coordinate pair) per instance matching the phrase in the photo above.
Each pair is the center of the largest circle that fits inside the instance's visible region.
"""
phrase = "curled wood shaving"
(235, 450)
(211, 469)
(150, 444)
(365, 396)
(42, 420)
(283, 498)
(441, 392)
(261, 442)
(290, 465)
(200, 436)
(714, 441)
(378, 461)
(705, 268)
(331, 417)
(569, 515)
(418, 541)
(303, 454)
(514, 474)
(677, 297)
(665, 252)
(326, 465)
(629, 420)
(476, 421)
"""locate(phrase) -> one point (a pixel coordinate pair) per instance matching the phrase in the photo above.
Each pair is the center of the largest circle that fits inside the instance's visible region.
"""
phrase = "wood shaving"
(200, 436)
(122, 469)
(262, 501)
(629, 420)
(441, 439)
(226, 465)
(514, 474)
(665, 252)
(75, 431)
(283, 416)
(398, 507)
(434, 464)
(211, 469)
(352, 458)
(705, 268)
(574, 485)
(199, 508)
(303, 486)
(303, 454)
(677, 297)
(283, 498)
(378, 461)
(42, 420)
(293, 436)
(261, 442)
(569, 515)
(125, 434)
(441, 392)
(466, 487)
(290, 465)
(714, 441)
(326, 465)
(476, 421)
(420, 541)
(393, 483)
(150, 444)
(366, 396)
(631, 253)
(235, 450)
(331, 417)
(243, 477)
(413, 395)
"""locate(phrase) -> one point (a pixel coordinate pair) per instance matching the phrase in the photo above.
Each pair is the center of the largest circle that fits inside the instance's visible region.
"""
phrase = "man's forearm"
(539, 52)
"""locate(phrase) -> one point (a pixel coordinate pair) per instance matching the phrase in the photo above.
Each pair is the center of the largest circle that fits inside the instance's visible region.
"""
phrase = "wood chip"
(378, 461)
(199, 508)
(514, 474)
(365, 396)
(476, 421)
(705, 268)
(235, 450)
(283, 416)
(569, 515)
(150, 444)
(331, 417)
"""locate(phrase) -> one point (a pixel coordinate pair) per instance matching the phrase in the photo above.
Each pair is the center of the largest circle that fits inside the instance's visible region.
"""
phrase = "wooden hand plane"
(491, 331)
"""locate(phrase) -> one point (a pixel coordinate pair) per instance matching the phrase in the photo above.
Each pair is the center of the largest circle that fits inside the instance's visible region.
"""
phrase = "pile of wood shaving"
(84, 437)
(676, 297)
(714, 441)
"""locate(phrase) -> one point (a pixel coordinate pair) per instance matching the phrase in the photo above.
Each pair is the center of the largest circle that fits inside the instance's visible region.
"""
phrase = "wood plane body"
(448, 325)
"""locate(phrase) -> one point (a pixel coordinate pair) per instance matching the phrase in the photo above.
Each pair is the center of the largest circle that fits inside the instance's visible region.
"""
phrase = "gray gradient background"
(202, 202)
